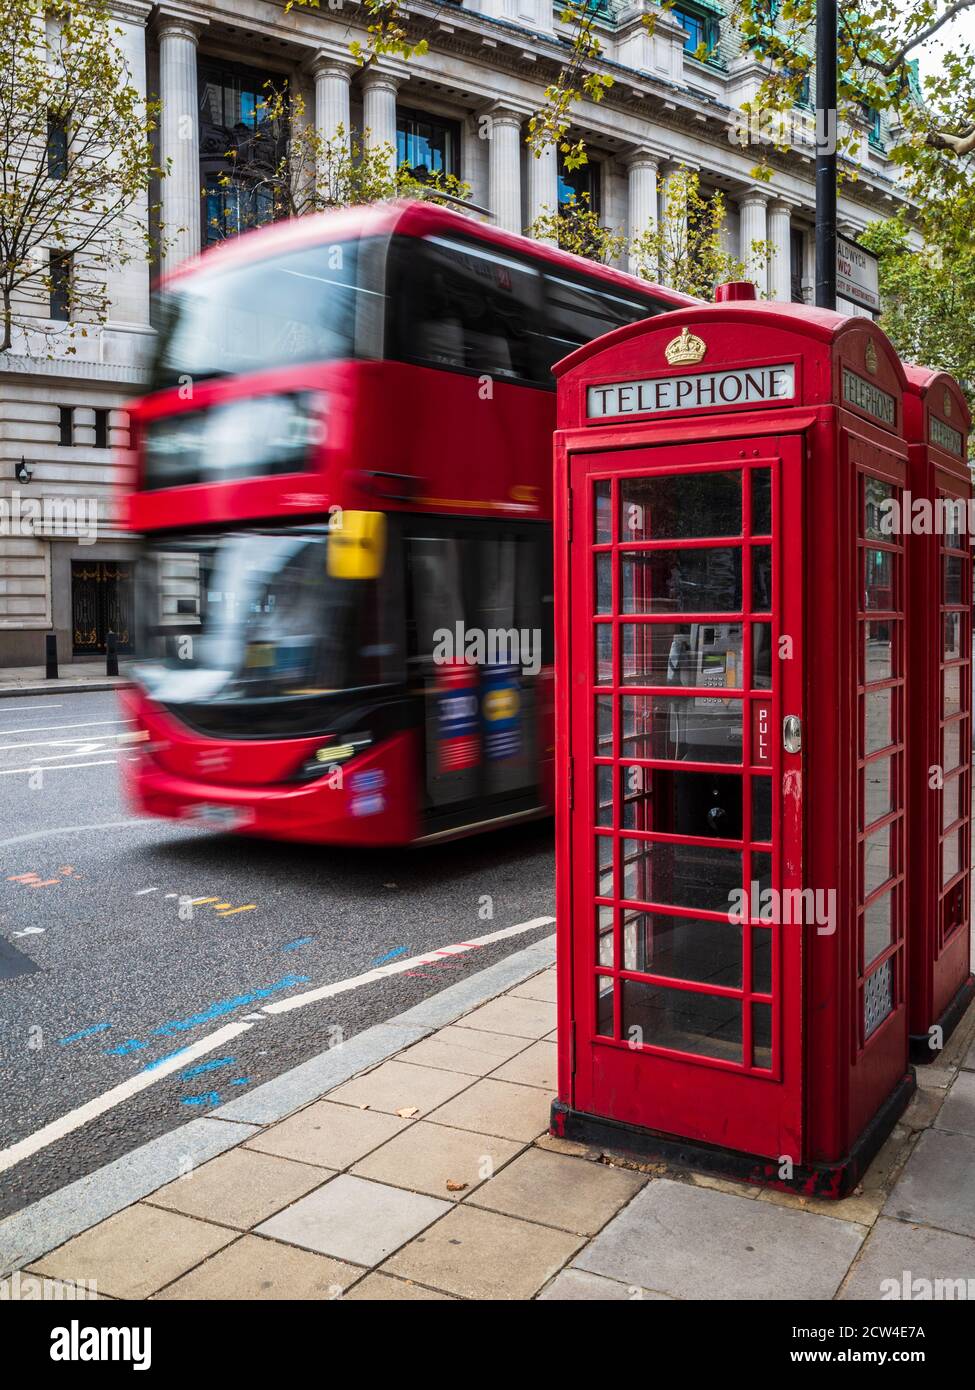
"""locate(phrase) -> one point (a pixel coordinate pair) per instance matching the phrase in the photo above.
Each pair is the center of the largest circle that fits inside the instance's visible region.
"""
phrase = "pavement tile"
(559, 1191)
(922, 1109)
(898, 1252)
(498, 1107)
(479, 1254)
(355, 1220)
(425, 1157)
(536, 1066)
(958, 1111)
(541, 987)
(517, 1018)
(239, 1188)
(574, 1147)
(331, 1136)
(463, 1050)
(577, 1286)
(969, 1062)
(692, 1242)
(399, 1086)
(937, 1186)
(253, 1268)
(383, 1288)
(861, 1208)
(135, 1252)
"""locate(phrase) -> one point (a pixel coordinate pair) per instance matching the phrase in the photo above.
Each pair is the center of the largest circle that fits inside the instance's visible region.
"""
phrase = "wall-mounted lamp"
(22, 472)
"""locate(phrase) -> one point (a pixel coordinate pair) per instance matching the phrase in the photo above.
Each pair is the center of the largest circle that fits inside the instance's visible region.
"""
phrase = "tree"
(928, 299)
(75, 156)
(686, 249)
(575, 226)
(286, 167)
(878, 45)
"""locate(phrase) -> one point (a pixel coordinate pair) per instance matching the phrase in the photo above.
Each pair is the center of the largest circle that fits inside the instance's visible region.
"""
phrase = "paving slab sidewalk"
(430, 1176)
(74, 677)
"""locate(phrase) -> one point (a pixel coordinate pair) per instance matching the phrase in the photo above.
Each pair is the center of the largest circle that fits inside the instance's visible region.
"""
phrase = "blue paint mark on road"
(240, 1081)
(207, 1066)
(85, 1033)
(226, 1006)
(390, 955)
(208, 1098)
(151, 1066)
(123, 1049)
(300, 941)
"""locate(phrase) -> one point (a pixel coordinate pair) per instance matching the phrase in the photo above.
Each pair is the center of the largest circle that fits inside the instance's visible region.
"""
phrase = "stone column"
(332, 82)
(128, 285)
(379, 112)
(505, 169)
(642, 176)
(543, 186)
(780, 235)
(754, 227)
(179, 139)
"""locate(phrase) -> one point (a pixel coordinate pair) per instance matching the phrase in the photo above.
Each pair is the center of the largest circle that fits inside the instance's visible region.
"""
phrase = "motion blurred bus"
(341, 473)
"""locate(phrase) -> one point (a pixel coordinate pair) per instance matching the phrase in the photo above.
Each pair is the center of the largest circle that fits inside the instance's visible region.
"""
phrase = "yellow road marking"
(249, 908)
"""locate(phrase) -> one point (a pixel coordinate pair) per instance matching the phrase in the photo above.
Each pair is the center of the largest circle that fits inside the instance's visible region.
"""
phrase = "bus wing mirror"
(357, 545)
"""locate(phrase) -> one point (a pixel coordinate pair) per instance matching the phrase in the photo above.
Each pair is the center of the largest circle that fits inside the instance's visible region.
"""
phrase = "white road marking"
(396, 967)
(143, 891)
(57, 1129)
(61, 767)
(28, 709)
(75, 830)
(30, 931)
(82, 741)
(50, 728)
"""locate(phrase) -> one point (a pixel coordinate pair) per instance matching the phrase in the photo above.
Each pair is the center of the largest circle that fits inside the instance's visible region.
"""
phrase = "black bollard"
(51, 656)
(111, 658)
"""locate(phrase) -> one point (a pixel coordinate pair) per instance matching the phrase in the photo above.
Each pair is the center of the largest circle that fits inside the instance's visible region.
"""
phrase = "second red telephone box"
(731, 743)
(935, 520)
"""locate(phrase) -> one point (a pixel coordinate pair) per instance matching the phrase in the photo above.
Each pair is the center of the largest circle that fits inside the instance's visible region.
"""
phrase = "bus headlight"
(330, 757)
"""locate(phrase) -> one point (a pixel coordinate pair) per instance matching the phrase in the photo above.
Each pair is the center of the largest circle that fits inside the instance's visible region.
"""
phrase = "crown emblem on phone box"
(685, 349)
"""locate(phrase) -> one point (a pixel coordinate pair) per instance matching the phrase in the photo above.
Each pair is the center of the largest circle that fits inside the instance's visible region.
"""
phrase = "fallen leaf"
(408, 1111)
(455, 1186)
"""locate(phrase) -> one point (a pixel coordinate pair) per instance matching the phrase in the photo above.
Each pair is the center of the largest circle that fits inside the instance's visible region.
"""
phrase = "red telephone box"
(936, 421)
(731, 722)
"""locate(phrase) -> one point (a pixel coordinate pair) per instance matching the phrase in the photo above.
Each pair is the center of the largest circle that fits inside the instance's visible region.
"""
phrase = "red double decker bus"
(342, 480)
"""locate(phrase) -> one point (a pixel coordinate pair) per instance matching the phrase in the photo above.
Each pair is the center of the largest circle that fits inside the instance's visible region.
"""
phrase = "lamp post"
(826, 132)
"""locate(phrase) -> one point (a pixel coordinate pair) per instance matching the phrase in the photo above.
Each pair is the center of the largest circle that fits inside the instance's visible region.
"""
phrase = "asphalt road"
(102, 971)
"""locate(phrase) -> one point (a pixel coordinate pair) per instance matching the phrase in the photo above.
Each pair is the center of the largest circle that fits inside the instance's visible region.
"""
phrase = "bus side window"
(457, 305)
(577, 312)
(435, 598)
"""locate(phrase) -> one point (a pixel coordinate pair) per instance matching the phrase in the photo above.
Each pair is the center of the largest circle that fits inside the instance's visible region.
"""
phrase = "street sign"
(857, 276)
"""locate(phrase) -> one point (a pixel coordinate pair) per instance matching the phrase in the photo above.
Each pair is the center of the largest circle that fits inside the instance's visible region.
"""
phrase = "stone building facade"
(462, 107)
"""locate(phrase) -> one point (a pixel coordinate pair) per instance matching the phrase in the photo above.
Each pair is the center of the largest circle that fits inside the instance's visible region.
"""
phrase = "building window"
(59, 274)
(101, 429)
(66, 426)
(242, 148)
(581, 184)
(874, 131)
(234, 207)
(57, 145)
(797, 256)
(703, 31)
(427, 144)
